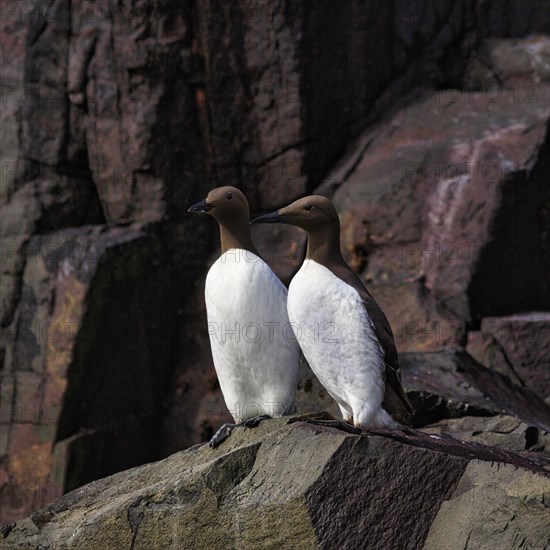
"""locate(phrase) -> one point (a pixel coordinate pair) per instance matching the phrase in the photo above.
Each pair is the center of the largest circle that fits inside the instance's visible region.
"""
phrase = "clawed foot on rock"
(255, 421)
(226, 429)
(221, 435)
(326, 419)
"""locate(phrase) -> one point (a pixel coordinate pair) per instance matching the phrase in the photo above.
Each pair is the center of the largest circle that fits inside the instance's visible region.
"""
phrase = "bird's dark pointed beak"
(273, 217)
(201, 206)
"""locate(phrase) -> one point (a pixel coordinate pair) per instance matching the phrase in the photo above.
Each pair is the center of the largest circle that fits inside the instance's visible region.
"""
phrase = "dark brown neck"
(323, 246)
(236, 237)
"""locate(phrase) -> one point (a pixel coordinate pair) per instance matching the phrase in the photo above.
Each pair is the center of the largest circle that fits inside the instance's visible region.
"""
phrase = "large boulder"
(303, 486)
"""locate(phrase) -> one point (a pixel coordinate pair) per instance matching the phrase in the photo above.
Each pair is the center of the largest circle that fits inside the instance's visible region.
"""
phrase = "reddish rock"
(480, 348)
(519, 346)
(520, 64)
(422, 210)
(88, 360)
(417, 322)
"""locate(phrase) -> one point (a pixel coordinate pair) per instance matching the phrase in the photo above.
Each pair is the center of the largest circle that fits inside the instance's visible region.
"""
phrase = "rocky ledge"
(298, 485)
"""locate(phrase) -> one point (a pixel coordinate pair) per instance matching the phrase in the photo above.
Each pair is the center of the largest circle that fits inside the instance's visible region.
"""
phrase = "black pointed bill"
(273, 217)
(201, 206)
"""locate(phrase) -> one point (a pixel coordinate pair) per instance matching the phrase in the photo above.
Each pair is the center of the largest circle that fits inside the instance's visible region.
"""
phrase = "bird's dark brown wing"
(395, 401)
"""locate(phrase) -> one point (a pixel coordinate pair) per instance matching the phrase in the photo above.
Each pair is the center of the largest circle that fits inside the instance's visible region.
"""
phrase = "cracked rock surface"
(303, 486)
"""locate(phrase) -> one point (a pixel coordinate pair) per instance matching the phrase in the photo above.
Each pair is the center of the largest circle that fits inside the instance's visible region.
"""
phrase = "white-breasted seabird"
(343, 332)
(255, 354)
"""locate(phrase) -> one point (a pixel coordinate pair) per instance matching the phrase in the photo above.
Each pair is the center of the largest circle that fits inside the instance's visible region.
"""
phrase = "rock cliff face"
(428, 124)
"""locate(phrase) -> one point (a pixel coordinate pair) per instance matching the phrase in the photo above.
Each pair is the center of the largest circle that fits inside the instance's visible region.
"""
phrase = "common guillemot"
(343, 332)
(255, 354)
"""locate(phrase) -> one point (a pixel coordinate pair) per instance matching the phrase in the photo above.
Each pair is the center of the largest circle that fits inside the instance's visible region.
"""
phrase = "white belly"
(254, 349)
(337, 338)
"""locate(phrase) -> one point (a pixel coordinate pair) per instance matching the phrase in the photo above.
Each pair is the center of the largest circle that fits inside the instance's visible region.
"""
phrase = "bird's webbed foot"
(221, 435)
(338, 424)
(326, 419)
(311, 417)
(226, 429)
(254, 421)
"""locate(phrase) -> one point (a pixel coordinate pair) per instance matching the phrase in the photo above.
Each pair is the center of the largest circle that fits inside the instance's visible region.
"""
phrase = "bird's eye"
(229, 196)
(308, 207)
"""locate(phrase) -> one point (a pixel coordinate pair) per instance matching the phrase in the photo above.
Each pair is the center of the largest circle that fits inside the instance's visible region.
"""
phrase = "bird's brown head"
(313, 213)
(229, 207)
(226, 204)
(318, 217)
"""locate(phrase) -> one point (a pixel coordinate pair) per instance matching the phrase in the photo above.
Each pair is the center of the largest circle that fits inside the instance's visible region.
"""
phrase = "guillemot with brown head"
(255, 354)
(351, 349)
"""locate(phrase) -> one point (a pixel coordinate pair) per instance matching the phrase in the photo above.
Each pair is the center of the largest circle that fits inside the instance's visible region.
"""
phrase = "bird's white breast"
(254, 349)
(337, 338)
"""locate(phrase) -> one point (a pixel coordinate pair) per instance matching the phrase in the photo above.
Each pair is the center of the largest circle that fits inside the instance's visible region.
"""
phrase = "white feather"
(337, 338)
(255, 353)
